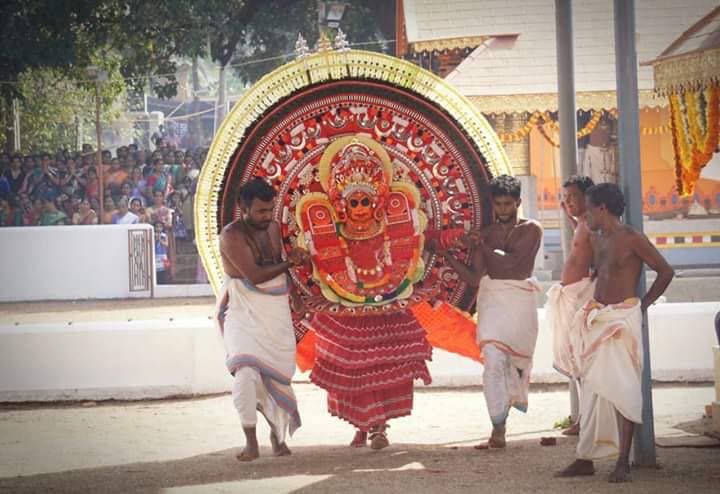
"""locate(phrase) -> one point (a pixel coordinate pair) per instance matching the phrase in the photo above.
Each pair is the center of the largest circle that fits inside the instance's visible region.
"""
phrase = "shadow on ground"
(524, 466)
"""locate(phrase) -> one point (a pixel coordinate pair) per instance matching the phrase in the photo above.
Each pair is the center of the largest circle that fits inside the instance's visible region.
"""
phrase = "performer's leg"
(279, 448)
(582, 467)
(360, 439)
(622, 466)
(497, 394)
(244, 395)
(574, 429)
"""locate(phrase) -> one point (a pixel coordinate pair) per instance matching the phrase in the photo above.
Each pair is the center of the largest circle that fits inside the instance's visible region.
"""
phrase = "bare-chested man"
(609, 351)
(254, 317)
(575, 288)
(503, 258)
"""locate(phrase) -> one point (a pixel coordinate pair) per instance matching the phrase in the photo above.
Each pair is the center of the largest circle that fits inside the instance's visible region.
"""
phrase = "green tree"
(57, 111)
(141, 43)
(37, 35)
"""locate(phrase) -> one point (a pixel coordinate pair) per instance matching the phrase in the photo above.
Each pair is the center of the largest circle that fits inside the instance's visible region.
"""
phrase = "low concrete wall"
(155, 359)
(111, 360)
(68, 263)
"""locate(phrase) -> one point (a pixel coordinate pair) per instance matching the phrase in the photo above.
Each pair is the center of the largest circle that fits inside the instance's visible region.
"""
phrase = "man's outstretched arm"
(646, 251)
(471, 274)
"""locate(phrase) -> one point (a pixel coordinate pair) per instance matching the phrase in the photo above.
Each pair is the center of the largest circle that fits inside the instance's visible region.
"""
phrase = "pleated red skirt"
(367, 365)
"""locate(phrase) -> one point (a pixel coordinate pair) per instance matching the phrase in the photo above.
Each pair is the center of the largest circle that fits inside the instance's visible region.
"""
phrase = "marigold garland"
(520, 134)
(657, 130)
(535, 121)
(695, 124)
(539, 120)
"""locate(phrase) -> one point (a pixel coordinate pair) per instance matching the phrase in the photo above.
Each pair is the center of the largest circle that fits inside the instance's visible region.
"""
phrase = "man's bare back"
(579, 260)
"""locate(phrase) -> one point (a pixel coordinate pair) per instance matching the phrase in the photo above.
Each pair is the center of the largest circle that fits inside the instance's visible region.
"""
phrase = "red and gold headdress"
(355, 163)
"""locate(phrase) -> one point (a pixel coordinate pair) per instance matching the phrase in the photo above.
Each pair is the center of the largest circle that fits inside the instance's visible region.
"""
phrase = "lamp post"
(98, 76)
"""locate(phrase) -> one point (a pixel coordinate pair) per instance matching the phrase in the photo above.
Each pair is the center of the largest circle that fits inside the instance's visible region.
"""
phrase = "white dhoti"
(507, 333)
(608, 351)
(563, 304)
(600, 164)
(257, 330)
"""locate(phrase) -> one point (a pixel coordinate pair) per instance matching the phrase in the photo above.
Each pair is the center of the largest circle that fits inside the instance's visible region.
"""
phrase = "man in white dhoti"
(502, 262)
(600, 157)
(575, 289)
(254, 317)
(608, 347)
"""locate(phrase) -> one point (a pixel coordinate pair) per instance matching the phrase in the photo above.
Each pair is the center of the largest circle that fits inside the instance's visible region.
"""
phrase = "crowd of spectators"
(140, 186)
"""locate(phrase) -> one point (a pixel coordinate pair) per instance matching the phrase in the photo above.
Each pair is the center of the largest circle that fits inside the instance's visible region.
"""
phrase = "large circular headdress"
(437, 141)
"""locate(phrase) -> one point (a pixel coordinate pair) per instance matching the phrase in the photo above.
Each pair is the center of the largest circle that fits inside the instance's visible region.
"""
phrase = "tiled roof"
(527, 65)
(703, 35)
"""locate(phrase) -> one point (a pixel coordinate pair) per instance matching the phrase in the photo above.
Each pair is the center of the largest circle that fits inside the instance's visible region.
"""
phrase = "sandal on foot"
(378, 438)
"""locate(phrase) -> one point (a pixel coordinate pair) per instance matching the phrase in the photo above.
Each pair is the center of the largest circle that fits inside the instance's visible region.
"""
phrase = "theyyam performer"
(364, 234)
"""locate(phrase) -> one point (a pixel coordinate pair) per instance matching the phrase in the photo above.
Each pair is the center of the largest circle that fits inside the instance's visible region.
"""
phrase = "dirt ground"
(524, 467)
(180, 446)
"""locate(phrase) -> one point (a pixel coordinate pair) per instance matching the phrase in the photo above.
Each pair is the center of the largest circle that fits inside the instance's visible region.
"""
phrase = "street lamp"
(98, 76)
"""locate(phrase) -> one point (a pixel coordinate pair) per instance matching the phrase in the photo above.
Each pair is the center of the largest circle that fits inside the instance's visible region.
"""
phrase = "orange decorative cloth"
(448, 328)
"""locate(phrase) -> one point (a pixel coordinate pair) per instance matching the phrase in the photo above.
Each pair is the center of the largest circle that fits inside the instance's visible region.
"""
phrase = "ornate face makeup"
(360, 207)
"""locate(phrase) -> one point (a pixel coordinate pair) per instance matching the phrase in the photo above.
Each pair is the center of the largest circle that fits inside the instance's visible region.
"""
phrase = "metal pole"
(630, 182)
(565, 49)
(565, 44)
(220, 112)
(16, 125)
(98, 153)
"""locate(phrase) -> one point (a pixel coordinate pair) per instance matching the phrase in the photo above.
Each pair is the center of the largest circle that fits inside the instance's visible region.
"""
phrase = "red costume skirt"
(367, 365)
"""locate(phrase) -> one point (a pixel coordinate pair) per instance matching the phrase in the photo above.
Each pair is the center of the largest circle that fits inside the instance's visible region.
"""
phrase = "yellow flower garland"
(693, 145)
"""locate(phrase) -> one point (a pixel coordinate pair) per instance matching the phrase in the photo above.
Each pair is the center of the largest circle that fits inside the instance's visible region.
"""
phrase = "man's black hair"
(582, 182)
(608, 195)
(505, 185)
(257, 188)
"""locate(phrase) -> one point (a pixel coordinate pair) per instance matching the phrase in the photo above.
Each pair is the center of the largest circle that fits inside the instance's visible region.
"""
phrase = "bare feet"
(378, 437)
(577, 468)
(252, 450)
(573, 430)
(250, 453)
(279, 449)
(497, 438)
(621, 472)
(360, 439)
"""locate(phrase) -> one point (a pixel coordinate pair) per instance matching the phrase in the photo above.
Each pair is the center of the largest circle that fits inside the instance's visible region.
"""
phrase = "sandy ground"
(179, 446)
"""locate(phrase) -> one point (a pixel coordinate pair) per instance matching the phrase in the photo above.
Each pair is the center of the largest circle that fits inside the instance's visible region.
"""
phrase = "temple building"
(502, 57)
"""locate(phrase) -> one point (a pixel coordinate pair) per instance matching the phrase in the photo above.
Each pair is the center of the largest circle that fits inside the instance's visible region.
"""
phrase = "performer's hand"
(472, 238)
(433, 247)
(296, 302)
(298, 257)
(563, 206)
(572, 218)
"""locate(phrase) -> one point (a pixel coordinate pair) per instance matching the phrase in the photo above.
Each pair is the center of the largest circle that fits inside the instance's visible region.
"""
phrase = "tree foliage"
(139, 43)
